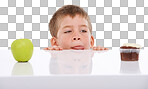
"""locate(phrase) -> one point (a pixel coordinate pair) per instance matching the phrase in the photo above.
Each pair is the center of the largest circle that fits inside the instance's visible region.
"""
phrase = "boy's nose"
(76, 38)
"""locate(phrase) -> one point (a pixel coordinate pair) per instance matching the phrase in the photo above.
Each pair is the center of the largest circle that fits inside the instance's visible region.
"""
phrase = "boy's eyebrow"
(70, 26)
(83, 26)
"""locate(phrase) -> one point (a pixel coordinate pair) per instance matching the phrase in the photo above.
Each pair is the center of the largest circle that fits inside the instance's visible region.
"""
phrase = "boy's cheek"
(63, 42)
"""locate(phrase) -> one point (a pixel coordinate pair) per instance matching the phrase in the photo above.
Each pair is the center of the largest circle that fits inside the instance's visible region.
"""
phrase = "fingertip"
(45, 48)
(106, 49)
(56, 49)
(94, 48)
(98, 48)
(101, 48)
(52, 48)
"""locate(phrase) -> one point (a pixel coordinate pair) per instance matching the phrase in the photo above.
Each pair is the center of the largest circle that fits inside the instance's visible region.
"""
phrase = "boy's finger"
(57, 48)
(102, 48)
(45, 48)
(52, 48)
(61, 48)
(106, 48)
(49, 48)
(98, 48)
(94, 48)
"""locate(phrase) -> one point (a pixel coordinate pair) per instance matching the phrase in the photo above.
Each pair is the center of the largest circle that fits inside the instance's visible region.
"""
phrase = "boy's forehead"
(76, 20)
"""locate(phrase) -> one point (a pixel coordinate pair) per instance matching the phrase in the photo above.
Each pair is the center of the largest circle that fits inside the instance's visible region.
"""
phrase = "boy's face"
(74, 34)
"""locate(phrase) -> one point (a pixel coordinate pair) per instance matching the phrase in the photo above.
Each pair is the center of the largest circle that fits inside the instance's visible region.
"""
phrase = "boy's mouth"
(78, 47)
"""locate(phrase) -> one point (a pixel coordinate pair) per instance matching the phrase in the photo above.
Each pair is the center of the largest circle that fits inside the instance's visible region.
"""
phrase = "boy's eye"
(83, 31)
(67, 32)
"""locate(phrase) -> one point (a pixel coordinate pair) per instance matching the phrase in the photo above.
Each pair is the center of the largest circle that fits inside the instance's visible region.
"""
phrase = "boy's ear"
(92, 41)
(53, 41)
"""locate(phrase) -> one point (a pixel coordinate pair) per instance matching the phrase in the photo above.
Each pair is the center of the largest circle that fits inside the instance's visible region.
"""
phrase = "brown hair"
(67, 10)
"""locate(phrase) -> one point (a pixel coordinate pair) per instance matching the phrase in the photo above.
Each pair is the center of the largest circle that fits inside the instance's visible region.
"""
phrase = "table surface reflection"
(73, 63)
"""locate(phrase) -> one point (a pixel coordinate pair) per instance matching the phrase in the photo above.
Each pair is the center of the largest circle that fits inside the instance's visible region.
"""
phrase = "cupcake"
(130, 52)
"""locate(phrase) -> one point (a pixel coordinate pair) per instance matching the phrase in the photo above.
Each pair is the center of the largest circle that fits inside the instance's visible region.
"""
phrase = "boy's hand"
(99, 48)
(58, 48)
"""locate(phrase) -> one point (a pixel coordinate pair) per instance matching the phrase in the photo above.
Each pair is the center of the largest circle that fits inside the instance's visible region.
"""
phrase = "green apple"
(22, 50)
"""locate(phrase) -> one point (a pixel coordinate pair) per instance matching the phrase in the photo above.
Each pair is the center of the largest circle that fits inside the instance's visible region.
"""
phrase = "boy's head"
(71, 28)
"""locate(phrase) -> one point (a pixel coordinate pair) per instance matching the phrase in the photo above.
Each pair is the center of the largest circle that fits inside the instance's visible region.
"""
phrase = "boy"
(71, 28)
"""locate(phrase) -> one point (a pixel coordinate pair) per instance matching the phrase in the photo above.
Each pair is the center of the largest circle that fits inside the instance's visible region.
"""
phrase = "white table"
(72, 69)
